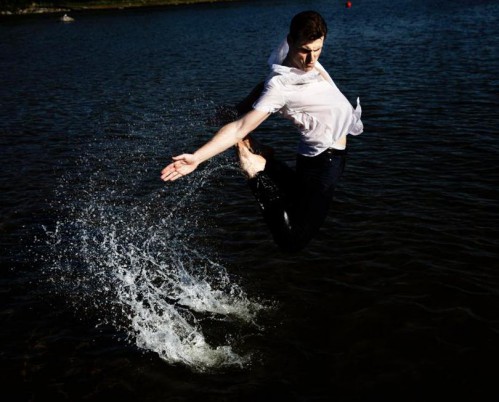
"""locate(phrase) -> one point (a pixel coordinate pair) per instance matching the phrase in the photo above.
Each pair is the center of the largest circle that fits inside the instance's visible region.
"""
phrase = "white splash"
(144, 272)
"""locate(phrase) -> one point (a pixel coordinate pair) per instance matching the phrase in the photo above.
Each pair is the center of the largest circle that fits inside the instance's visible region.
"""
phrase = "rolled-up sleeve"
(356, 126)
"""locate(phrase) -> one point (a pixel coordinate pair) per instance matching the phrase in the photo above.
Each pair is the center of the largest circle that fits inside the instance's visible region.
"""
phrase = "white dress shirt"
(314, 104)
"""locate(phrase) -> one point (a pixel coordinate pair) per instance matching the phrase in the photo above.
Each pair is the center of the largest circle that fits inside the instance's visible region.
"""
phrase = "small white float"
(66, 18)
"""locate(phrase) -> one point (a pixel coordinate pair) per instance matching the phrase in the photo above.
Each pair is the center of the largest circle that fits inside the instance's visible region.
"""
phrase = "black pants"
(295, 203)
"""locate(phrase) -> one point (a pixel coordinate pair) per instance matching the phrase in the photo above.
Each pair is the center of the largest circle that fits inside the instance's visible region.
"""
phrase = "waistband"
(327, 152)
(334, 151)
(323, 159)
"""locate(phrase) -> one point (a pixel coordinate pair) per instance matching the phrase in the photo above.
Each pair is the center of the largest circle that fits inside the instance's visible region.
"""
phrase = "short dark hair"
(307, 26)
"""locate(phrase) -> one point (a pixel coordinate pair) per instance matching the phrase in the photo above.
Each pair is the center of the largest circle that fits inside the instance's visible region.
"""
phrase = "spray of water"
(134, 256)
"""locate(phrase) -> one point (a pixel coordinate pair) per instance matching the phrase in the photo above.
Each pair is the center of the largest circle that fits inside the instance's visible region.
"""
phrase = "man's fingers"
(172, 167)
(174, 176)
(170, 174)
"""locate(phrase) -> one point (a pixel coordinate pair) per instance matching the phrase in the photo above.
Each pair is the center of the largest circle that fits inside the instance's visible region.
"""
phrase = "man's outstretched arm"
(226, 137)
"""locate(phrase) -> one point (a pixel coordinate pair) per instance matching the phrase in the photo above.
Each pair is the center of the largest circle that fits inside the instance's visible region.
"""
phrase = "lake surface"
(115, 285)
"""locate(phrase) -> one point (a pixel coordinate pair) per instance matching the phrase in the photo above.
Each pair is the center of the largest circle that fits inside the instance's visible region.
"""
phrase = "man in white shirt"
(294, 203)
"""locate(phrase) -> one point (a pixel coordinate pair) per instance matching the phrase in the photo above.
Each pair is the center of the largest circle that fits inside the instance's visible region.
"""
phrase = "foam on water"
(135, 261)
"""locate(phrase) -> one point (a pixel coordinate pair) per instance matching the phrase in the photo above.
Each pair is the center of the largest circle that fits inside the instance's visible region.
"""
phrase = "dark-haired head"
(307, 26)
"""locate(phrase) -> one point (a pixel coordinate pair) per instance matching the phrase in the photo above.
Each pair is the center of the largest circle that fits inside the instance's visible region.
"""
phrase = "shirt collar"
(295, 76)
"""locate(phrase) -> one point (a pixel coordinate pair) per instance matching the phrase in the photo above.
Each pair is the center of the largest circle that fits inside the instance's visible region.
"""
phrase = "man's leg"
(294, 205)
(273, 184)
(317, 178)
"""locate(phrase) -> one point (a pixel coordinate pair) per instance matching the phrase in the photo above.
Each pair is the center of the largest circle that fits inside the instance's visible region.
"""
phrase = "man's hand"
(227, 136)
(182, 165)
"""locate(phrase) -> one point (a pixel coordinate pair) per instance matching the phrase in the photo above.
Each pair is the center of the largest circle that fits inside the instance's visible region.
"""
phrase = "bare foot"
(257, 147)
(250, 163)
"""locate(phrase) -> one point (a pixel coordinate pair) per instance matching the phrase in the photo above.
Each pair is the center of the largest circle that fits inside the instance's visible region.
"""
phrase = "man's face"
(304, 55)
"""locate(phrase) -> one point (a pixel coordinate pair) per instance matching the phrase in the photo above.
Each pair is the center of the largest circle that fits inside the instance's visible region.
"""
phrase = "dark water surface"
(114, 285)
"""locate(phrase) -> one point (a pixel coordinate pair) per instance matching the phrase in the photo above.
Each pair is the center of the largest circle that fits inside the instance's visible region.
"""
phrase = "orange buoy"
(348, 4)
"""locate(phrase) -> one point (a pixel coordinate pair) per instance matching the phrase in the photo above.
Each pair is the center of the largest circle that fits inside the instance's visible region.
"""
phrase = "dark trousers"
(295, 203)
